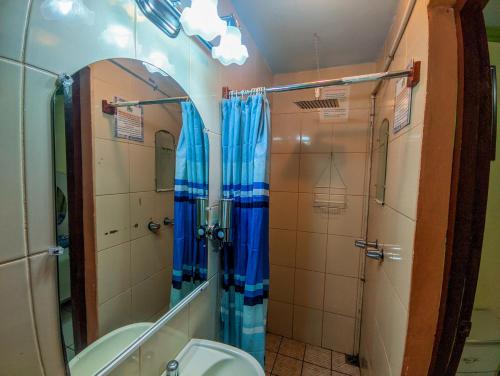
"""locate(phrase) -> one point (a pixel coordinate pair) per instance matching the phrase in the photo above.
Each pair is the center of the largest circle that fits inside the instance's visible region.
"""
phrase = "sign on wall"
(402, 105)
(129, 122)
(341, 93)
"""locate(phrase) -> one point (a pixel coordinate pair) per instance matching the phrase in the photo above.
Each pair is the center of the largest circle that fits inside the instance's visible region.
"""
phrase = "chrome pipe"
(148, 102)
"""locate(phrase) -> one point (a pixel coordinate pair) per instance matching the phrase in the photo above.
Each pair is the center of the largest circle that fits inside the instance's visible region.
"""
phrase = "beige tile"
(43, 276)
(292, 348)
(149, 296)
(285, 133)
(348, 221)
(315, 136)
(338, 333)
(203, 313)
(318, 356)
(12, 28)
(164, 205)
(283, 210)
(279, 318)
(129, 367)
(310, 218)
(113, 271)
(342, 257)
(339, 365)
(341, 294)
(11, 201)
(142, 168)
(215, 173)
(39, 88)
(348, 171)
(148, 256)
(112, 214)
(352, 136)
(286, 366)
(311, 251)
(142, 211)
(19, 355)
(282, 245)
(284, 172)
(307, 325)
(273, 342)
(281, 283)
(114, 313)
(269, 361)
(309, 288)
(111, 163)
(314, 370)
(165, 344)
(315, 173)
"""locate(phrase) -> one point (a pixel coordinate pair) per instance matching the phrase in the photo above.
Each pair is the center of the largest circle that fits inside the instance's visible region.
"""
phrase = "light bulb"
(201, 19)
(230, 50)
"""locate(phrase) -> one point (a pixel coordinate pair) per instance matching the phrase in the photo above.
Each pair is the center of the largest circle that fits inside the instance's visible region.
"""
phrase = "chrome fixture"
(153, 226)
(110, 107)
(172, 368)
(201, 217)
(412, 73)
(168, 222)
(221, 232)
(372, 249)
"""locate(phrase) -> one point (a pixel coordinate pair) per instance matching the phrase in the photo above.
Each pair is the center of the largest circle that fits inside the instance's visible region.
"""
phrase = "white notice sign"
(341, 93)
(402, 107)
(129, 122)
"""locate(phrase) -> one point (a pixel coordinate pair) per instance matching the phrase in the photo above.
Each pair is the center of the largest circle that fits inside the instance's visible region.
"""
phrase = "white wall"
(33, 51)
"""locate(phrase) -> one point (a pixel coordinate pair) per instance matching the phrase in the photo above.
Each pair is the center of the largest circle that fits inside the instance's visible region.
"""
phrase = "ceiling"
(350, 31)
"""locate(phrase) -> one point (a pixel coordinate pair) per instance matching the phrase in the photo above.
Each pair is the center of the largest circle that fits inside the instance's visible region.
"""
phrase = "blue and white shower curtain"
(191, 181)
(245, 178)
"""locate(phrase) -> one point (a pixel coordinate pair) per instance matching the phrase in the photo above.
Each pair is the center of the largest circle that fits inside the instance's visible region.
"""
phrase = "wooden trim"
(88, 206)
(469, 193)
(434, 191)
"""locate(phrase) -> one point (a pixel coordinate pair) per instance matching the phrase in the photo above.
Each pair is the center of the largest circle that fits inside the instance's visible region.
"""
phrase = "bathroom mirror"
(383, 143)
(115, 167)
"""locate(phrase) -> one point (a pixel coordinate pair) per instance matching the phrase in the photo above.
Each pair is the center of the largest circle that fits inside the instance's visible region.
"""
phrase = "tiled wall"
(134, 265)
(33, 51)
(387, 289)
(315, 268)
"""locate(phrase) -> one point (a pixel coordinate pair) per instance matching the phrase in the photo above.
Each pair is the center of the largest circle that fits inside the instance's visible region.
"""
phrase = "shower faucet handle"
(172, 368)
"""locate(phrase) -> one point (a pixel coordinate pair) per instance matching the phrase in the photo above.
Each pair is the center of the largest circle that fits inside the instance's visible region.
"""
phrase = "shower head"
(317, 104)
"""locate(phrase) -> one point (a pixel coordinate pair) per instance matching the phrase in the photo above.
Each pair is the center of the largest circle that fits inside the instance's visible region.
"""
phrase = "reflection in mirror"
(120, 185)
(383, 143)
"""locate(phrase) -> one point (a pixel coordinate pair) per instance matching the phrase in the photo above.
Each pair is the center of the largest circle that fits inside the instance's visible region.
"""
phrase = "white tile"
(142, 168)
(12, 26)
(203, 313)
(315, 172)
(342, 256)
(67, 44)
(338, 333)
(214, 168)
(348, 171)
(311, 251)
(113, 272)
(19, 355)
(315, 136)
(39, 88)
(11, 201)
(347, 221)
(142, 211)
(208, 107)
(352, 135)
(112, 213)
(114, 313)
(341, 294)
(309, 289)
(111, 164)
(43, 275)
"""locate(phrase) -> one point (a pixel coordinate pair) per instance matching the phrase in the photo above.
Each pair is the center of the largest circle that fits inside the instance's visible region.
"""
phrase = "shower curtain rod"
(412, 73)
(110, 107)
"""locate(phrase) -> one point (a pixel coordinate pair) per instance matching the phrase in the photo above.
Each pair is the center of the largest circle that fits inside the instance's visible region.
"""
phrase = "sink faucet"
(173, 368)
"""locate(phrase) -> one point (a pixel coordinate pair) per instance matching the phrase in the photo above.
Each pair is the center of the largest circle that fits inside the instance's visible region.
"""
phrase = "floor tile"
(314, 370)
(318, 356)
(273, 342)
(286, 366)
(292, 348)
(339, 365)
(269, 360)
(338, 359)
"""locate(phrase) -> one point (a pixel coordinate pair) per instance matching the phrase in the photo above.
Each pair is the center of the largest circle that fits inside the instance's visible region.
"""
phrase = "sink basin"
(208, 358)
(99, 353)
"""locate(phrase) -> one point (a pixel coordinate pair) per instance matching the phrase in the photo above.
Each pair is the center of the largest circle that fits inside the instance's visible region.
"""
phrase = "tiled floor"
(288, 357)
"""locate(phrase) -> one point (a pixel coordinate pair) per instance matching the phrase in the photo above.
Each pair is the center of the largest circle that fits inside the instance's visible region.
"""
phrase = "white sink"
(208, 358)
(99, 353)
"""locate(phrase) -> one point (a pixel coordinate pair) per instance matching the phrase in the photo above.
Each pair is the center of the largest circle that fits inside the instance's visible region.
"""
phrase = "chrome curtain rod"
(110, 107)
(413, 73)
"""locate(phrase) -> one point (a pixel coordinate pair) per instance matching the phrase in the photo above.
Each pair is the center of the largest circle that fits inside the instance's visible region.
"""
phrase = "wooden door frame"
(469, 189)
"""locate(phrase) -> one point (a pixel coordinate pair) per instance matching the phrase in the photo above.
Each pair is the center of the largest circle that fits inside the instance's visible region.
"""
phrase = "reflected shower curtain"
(245, 178)
(191, 181)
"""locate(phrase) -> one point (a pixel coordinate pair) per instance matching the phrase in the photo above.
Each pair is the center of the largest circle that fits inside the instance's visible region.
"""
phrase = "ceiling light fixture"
(230, 50)
(201, 19)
